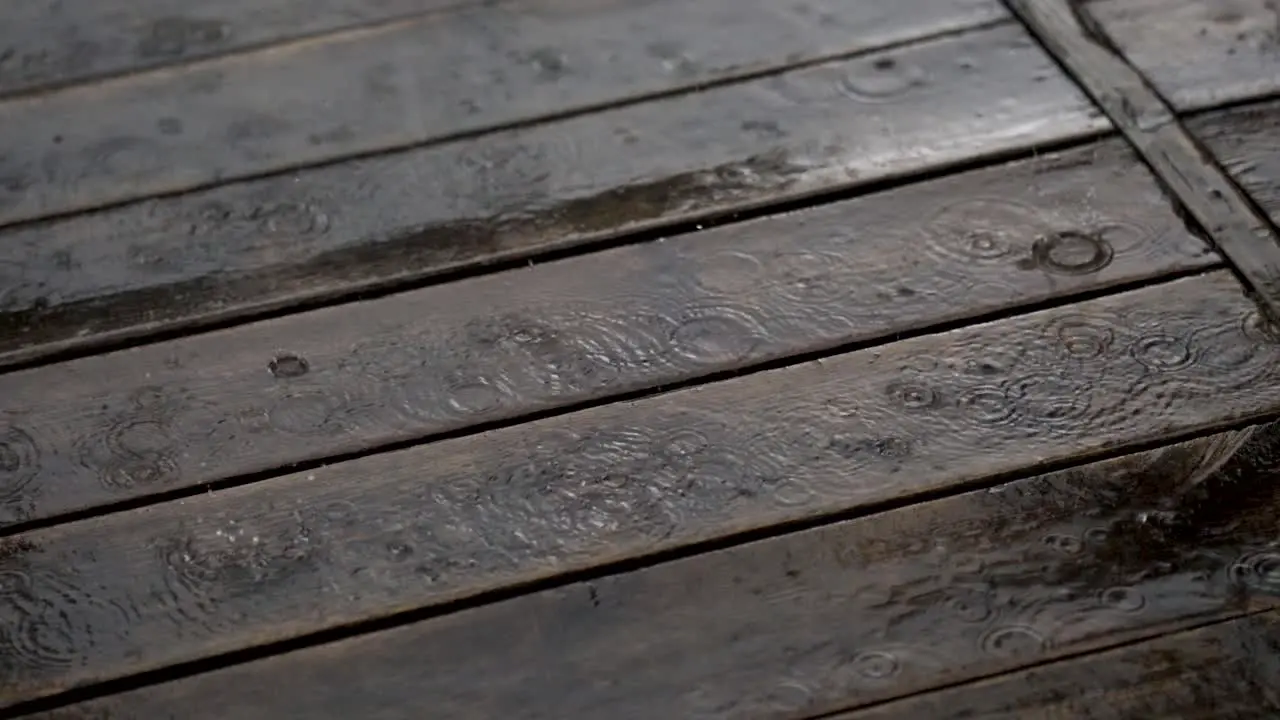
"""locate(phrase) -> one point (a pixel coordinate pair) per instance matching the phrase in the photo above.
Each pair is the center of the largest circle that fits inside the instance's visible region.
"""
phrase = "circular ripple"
(1071, 253)
(716, 334)
(988, 405)
(980, 230)
(730, 273)
(971, 607)
(19, 463)
(132, 452)
(1050, 398)
(1258, 571)
(914, 396)
(1013, 641)
(809, 277)
(1163, 353)
(1259, 329)
(309, 413)
(881, 80)
(1081, 337)
(876, 665)
(1234, 355)
(45, 620)
(1125, 599)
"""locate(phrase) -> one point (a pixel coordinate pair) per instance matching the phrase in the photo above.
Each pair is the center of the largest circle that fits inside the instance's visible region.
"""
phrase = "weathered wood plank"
(1246, 141)
(807, 623)
(141, 589)
(1210, 199)
(49, 43)
(1198, 53)
(395, 85)
(1221, 672)
(585, 328)
(267, 243)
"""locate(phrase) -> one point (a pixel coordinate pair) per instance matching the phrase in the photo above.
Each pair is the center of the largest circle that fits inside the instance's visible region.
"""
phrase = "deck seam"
(522, 123)
(851, 711)
(1202, 192)
(399, 619)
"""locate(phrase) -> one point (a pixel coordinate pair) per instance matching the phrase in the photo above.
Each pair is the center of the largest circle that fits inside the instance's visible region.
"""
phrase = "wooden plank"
(1246, 141)
(51, 43)
(790, 627)
(1183, 166)
(392, 86)
(1213, 673)
(346, 542)
(642, 316)
(332, 231)
(1198, 53)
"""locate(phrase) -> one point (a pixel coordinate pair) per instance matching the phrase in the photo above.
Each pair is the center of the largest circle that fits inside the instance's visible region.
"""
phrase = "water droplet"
(1071, 253)
(288, 365)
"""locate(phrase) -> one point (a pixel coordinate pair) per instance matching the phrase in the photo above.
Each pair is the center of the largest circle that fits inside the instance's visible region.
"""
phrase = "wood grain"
(790, 627)
(50, 43)
(392, 86)
(1246, 141)
(1198, 53)
(360, 376)
(331, 231)
(1221, 672)
(1247, 240)
(141, 589)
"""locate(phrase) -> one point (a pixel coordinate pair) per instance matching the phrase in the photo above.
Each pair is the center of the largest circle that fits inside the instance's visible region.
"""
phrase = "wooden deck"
(652, 359)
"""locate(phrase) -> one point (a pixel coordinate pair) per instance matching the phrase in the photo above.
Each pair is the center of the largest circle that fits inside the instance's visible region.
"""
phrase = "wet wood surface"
(791, 627)
(317, 385)
(653, 359)
(331, 231)
(394, 531)
(1246, 141)
(439, 76)
(52, 43)
(1200, 186)
(1197, 53)
(1221, 672)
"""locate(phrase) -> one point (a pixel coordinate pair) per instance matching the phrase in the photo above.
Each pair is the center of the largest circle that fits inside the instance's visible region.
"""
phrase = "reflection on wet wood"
(1198, 53)
(50, 43)
(276, 559)
(1209, 198)
(333, 230)
(1246, 141)
(355, 377)
(790, 627)
(396, 85)
(1221, 672)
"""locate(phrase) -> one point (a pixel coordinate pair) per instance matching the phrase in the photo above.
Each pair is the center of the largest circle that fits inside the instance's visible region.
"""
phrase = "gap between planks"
(371, 540)
(1231, 220)
(949, 591)
(238, 405)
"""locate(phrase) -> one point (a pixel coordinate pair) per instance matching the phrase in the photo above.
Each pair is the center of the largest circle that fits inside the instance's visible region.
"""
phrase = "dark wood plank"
(396, 85)
(216, 572)
(50, 43)
(831, 618)
(1246, 141)
(325, 232)
(1198, 53)
(1221, 672)
(585, 328)
(1209, 198)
